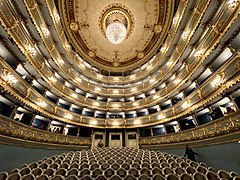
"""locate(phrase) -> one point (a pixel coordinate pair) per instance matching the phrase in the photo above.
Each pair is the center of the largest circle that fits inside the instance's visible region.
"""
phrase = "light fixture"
(115, 123)
(116, 32)
(133, 89)
(136, 122)
(68, 116)
(57, 17)
(116, 23)
(185, 35)
(74, 95)
(115, 105)
(95, 103)
(32, 51)
(176, 81)
(198, 53)
(160, 116)
(97, 88)
(169, 63)
(232, 3)
(53, 79)
(151, 80)
(45, 31)
(68, 47)
(115, 91)
(186, 105)
(8, 77)
(135, 104)
(42, 103)
(216, 81)
(156, 96)
(93, 122)
(78, 79)
(61, 61)
(175, 19)
(163, 49)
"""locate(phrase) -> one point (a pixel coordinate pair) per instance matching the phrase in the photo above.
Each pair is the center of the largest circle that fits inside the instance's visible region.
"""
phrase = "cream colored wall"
(13, 156)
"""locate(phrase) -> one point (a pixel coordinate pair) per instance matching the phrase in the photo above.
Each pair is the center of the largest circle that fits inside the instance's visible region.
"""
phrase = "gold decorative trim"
(215, 131)
(20, 132)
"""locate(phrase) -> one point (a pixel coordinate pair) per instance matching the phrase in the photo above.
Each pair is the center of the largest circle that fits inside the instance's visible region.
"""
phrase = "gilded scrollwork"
(12, 128)
(226, 125)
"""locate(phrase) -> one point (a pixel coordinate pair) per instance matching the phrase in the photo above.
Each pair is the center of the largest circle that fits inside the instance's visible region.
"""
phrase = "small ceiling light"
(169, 63)
(185, 35)
(68, 116)
(156, 96)
(186, 105)
(42, 103)
(163, 49)
(176, 81)
(78, 79)
(61, 61)
(93, 122)
(53, 79)
(152, 80)
(116, 105)
(136, 122)
(216, 81)
(115, 91)
(8, 77)
(115, 123)
(32, 51)
(160, 116)
(232, 3)
(198, 53)
(116, 32)
(135, 104)
(45, 31)
(175, 19)
(74, 95)
(68, 47)
(57, 17)
(133, 89)
(96, 104)
(97, 88)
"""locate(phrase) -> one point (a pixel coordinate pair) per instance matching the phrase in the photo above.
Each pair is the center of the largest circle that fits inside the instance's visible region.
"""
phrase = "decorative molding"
(17, 131)
(223, 130)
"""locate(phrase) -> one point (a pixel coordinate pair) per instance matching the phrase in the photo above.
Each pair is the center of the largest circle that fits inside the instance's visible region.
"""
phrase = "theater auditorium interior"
(117, 89)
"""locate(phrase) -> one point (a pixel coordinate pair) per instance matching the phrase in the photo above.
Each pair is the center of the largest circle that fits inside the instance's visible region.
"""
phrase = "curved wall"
(224, 156)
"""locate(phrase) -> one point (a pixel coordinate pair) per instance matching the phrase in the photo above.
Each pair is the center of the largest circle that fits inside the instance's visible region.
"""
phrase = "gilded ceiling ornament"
(157, 28)
(116, 63)
(91, 54)
(140, 55)
(74, 26)
(87, 34)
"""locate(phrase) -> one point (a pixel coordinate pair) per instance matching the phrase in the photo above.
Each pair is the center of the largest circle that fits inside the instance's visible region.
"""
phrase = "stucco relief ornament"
(157, 28)
(74, 26)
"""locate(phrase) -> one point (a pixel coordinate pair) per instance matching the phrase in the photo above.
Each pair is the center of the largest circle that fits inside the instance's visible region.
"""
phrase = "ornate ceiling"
(53, 54)
(147, 25)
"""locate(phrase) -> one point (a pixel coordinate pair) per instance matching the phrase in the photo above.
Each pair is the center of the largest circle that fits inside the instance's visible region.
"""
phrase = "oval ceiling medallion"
(116, 36)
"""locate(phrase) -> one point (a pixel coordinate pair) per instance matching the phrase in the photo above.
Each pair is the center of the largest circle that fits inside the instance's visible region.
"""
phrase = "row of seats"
(116, 163)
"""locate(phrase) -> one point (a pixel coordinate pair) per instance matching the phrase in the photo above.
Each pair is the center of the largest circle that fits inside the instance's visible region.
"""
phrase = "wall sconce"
(41, 103)
(136, 122)
(68, 116)
(45, 32)
(8, 77)
(186, 105)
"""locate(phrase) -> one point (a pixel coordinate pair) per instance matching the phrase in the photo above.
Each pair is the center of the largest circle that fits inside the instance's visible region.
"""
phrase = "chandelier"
(116, 23)
(116, 32)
